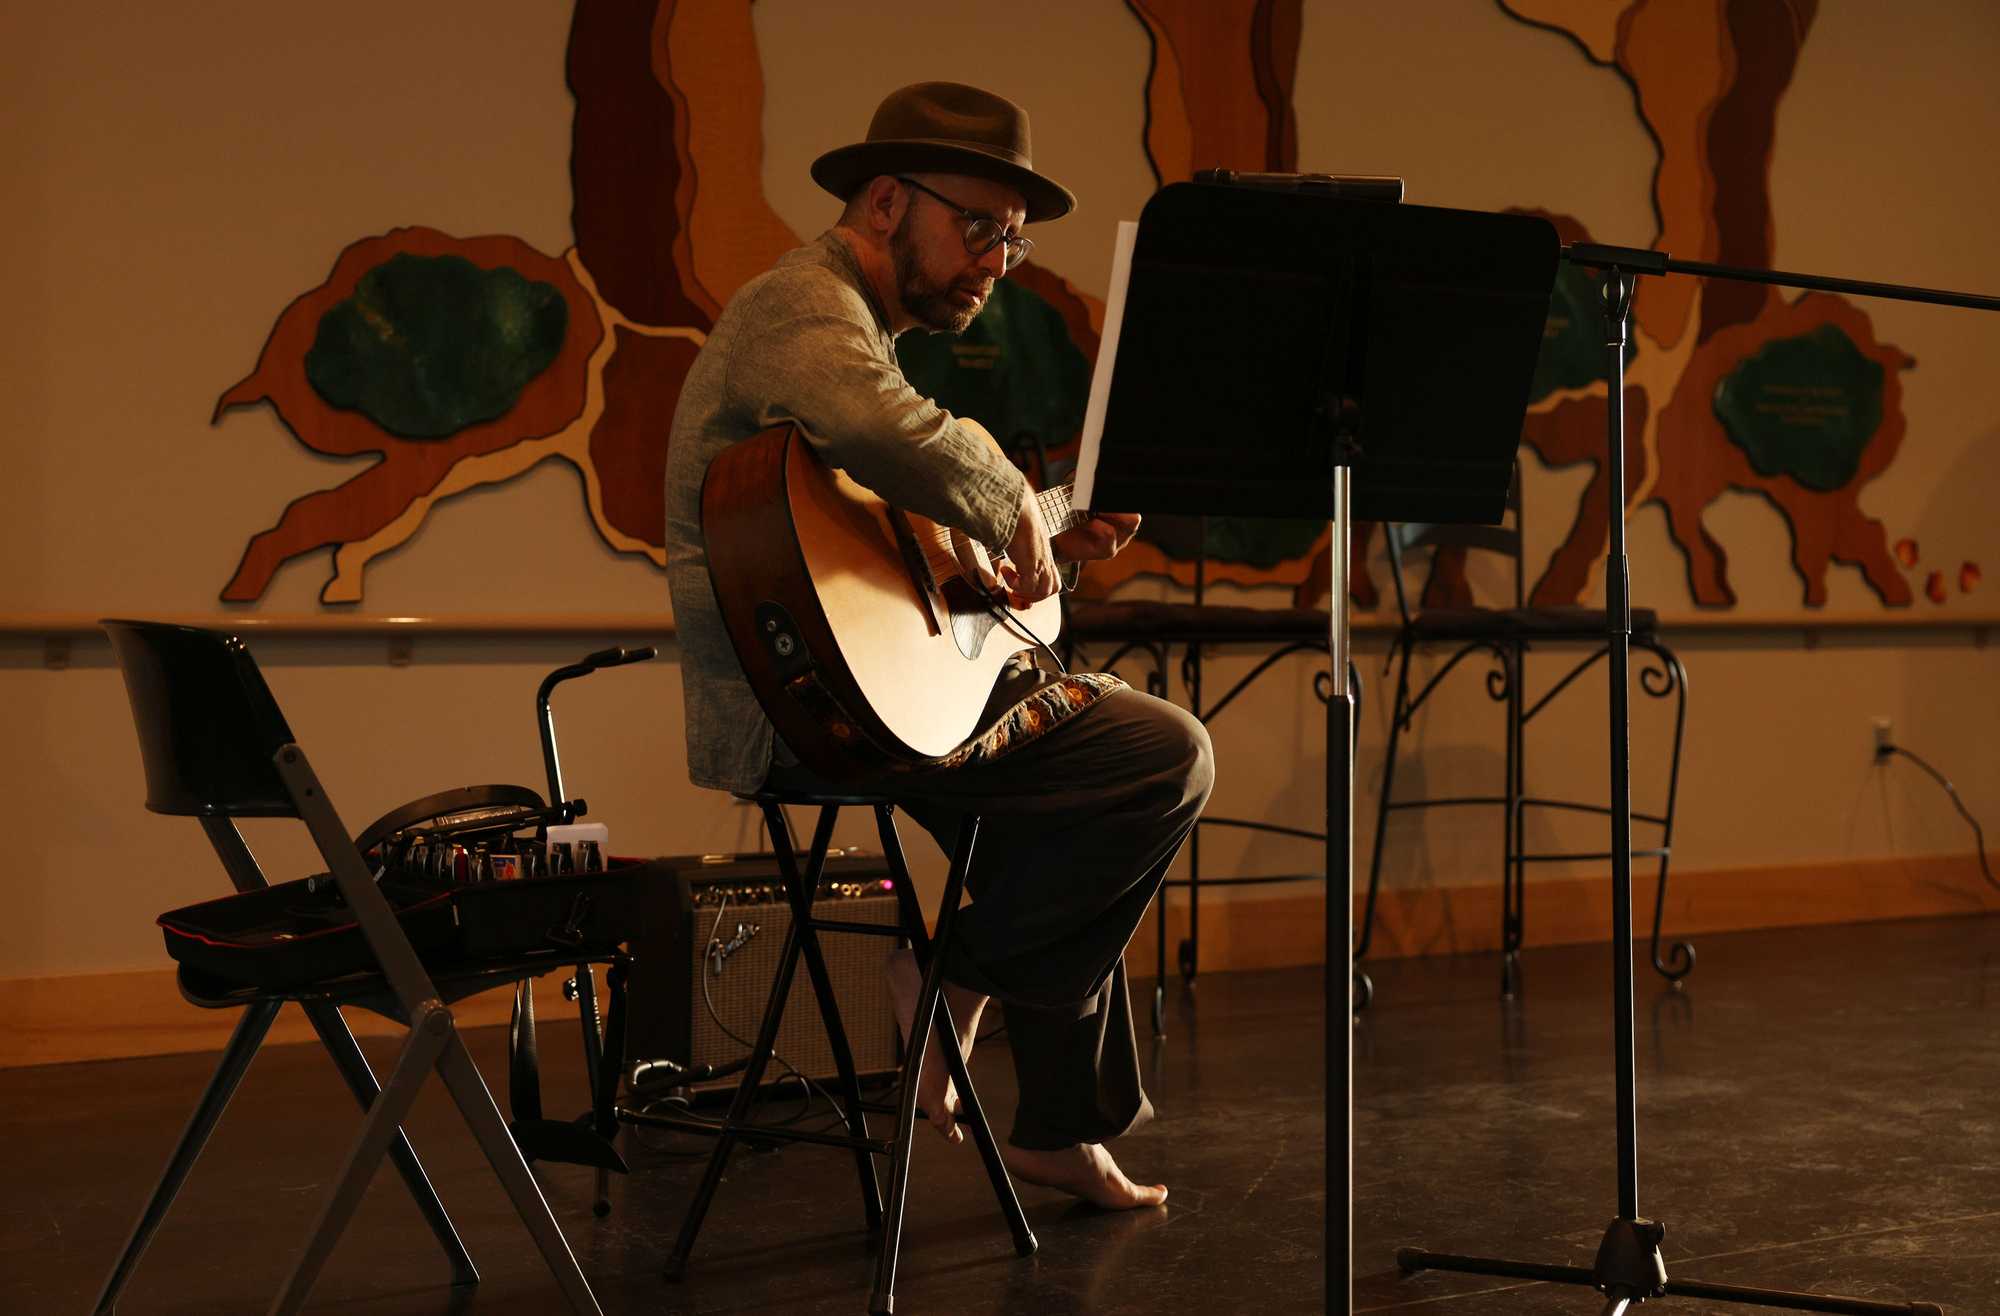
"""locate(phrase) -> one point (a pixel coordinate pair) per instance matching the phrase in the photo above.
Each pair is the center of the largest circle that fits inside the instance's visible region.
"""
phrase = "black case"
(296, 933)
(299, 933)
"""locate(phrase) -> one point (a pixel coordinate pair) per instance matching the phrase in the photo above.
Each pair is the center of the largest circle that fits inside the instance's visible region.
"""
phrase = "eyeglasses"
(982, 232)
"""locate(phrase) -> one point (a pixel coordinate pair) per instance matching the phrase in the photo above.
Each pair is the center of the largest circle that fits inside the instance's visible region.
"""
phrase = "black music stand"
(1287, 352)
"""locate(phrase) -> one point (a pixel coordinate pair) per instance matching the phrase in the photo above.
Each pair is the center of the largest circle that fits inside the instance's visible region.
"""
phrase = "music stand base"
(1629, 1270)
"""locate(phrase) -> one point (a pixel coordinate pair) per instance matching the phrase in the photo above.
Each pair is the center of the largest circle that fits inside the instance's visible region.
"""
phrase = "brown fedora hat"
(946, 128)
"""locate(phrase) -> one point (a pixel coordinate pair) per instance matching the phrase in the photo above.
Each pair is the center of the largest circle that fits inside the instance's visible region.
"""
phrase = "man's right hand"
(1030, 572)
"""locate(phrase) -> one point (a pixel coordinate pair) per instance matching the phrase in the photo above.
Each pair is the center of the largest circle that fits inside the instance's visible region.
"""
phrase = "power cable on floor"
(1978, 834)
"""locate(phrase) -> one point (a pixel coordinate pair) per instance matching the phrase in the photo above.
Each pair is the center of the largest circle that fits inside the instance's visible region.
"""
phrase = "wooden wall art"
(1729, 385)
(580, 355)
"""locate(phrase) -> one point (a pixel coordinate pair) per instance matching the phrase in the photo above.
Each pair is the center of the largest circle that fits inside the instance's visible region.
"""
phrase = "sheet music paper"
(1107, 356)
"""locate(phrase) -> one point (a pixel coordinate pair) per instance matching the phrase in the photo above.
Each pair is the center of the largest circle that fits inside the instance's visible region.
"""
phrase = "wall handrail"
(84, 625)
(76, 625)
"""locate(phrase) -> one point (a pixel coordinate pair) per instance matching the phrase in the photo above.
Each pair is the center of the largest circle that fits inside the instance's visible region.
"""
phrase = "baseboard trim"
(104, 1016)
(1271, 931)
(112, 1016)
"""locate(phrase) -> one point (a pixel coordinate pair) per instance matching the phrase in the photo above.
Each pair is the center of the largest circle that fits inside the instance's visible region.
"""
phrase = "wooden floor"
(1820, 1111)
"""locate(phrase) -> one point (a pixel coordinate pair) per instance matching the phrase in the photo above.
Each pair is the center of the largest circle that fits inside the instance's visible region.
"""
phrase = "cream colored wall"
(182, 172)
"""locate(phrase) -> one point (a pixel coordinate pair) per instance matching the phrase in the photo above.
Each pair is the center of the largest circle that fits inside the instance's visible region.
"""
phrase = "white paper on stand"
(1107, 357)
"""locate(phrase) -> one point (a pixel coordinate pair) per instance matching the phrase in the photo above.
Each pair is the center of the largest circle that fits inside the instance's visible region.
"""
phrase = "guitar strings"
(942, 558)
(1058, 514)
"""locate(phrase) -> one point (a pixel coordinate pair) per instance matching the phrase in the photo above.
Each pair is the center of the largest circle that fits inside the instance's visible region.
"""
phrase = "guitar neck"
(1057, 514)
(939, 554)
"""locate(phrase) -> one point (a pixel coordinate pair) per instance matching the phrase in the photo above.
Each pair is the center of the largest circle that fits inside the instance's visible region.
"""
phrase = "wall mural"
(1730, 385)
(466, 361)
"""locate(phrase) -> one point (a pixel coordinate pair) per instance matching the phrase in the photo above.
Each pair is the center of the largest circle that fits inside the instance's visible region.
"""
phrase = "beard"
(929, 302)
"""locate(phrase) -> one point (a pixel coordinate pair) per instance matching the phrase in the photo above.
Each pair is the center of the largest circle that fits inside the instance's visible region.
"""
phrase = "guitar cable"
(681, 1103)
(1003, 612)
(807, 1086)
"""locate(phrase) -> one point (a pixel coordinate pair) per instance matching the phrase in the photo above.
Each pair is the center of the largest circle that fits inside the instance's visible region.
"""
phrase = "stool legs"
(882, 1299)
(801, 942)
(934, 1015)
(946, 1027)
(739, 1105)
(802, 892)
(974, 1118)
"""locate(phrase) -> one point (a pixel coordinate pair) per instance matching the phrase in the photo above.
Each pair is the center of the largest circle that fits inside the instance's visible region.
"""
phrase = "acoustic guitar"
(864, 629)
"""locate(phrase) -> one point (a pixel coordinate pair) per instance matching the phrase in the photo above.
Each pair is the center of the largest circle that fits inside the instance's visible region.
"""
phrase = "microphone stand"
(1629, 1268)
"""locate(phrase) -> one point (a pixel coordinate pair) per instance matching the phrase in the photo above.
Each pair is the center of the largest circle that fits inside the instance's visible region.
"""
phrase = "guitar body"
(866, 652)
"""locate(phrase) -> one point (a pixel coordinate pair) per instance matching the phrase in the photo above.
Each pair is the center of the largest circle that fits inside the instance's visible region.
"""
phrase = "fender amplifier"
(705, 952)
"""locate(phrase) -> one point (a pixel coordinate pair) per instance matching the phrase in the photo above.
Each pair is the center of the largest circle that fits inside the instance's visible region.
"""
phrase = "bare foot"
(936, 1096)
(1085, 1170)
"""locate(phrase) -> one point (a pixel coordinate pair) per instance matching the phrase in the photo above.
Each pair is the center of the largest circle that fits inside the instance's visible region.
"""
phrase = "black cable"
(835, 1118)
(1978, 834)
(664, 1146)
(1003, 613)
(807, 1086)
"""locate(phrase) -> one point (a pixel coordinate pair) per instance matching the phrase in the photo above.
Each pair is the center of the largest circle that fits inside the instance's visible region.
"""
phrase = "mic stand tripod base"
(1411, 1260)
(1629, 1265)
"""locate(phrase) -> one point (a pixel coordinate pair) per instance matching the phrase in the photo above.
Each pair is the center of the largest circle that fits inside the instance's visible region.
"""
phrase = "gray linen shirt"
(805, 342)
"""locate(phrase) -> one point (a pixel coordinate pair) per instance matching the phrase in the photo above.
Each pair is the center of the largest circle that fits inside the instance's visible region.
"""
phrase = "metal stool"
(803, 939)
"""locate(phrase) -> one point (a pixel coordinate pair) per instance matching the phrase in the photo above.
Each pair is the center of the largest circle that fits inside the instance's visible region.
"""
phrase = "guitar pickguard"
(970, 618)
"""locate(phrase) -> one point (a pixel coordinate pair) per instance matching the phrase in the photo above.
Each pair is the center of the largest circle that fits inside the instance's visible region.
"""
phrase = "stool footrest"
(755, 1132)
(866, 929)
(846, 1141)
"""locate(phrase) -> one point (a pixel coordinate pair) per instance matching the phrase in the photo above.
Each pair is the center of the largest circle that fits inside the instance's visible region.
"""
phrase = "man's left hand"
(1103, 536)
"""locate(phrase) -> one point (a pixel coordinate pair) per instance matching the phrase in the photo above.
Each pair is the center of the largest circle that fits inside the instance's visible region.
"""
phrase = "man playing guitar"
(1082, 820)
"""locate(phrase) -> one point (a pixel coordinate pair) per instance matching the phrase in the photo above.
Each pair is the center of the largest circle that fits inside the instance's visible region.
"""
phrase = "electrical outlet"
(1884, 736)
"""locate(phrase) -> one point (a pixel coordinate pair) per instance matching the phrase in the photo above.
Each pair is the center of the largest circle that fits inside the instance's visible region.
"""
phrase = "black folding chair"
(217, 748)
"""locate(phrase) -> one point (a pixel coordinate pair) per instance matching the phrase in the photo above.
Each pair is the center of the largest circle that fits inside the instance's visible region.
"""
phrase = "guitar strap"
(1029, 717)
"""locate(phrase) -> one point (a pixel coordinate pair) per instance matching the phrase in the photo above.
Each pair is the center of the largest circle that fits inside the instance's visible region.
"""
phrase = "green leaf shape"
(1572, 354)
(1805, 407)
(1263, 543)
(1015, 370)
(428, 345)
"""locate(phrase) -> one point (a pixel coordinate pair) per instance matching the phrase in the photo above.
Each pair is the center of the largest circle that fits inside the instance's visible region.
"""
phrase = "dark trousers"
(1077, 831)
